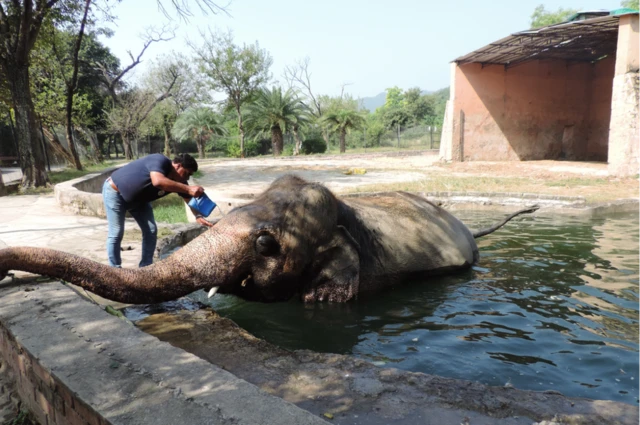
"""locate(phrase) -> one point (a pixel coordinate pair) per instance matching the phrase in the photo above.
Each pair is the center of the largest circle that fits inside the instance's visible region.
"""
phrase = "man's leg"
(143, 214)
(116, 209)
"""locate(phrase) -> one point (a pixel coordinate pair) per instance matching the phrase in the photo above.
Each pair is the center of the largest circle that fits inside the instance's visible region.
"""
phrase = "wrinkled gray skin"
(295, 239)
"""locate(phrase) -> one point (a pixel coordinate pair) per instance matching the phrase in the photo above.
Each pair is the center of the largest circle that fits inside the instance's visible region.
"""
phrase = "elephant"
(296, 239)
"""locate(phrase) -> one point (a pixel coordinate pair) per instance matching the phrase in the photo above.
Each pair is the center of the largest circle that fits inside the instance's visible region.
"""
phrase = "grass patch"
(23, 417)
(593, 190)
(66, 174)
(576, 182)
(452, 184)
(170, 209)
(136, 234)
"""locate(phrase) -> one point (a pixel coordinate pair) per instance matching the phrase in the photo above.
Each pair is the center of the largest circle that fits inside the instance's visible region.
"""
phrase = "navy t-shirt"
(134, 182)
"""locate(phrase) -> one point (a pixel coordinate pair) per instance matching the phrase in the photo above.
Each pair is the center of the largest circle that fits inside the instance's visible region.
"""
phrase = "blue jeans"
(116, 208)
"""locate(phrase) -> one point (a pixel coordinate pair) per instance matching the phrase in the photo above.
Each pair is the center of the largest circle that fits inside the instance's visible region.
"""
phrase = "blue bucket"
(203, 205)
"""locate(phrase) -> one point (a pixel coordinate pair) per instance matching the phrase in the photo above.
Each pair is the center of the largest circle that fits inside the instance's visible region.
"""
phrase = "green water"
(552, 305)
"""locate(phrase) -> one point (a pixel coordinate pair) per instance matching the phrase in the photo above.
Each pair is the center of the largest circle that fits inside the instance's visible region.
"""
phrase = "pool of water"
(551, 305)
(554, 303)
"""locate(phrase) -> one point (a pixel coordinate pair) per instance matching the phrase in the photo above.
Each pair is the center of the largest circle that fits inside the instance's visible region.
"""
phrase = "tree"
(630, 4)
(185, 93)
(343, 121)
(131, 107)
(299, 76)
(274, 112)
(235, 70)
(198, 124)
(417, 105)
(57, 62)
(543, 18)
(20, 24)
(395, 98)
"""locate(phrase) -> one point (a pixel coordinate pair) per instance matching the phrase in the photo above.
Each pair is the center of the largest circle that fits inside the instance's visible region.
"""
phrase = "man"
(132, 188)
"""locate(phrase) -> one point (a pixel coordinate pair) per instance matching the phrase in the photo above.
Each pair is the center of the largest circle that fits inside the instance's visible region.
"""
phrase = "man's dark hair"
(187, 161)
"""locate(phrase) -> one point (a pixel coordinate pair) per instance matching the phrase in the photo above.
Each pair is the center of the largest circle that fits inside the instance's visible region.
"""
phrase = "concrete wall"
(75, 364)
(83, 196)
(623, 131)
(536, 110)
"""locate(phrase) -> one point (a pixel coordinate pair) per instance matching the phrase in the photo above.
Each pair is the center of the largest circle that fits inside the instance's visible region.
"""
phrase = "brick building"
(566, 91)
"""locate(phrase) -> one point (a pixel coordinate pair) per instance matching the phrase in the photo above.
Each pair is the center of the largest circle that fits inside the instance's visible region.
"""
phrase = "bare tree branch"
(152, 36)
(299, 75)
(184, 11)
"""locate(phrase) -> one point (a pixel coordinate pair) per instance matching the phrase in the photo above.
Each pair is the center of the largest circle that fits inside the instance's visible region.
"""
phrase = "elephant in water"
(295, 239)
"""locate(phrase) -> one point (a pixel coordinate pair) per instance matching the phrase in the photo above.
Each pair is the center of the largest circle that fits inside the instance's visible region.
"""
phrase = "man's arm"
(199, 217)
(160, 181)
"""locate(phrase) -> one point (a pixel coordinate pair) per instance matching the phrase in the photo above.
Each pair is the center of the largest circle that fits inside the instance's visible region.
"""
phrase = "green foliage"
(313, 145)
(328, 103)
(630, 4)
(395, 98)
(439, 101)
(542, 18)
(51, 69)
(199, 124)
(394, 116)
(235, 70)
(272, 113)
(65, 174)
(287, 150)
(251, 148)
(22, 418)
(374, 131)
(417, 106)
(170, 209)
(344, 120)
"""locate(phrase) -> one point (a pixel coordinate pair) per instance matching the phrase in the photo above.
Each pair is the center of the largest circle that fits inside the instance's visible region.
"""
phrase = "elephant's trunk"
(196, 266)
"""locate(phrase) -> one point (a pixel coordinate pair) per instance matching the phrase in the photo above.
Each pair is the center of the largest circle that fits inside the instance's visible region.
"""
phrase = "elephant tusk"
(213, 291)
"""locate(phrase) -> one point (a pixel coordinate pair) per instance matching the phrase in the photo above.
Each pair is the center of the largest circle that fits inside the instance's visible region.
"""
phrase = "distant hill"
(373, 103)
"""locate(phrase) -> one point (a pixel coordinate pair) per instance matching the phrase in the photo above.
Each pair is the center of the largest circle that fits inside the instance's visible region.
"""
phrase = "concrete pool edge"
(73, 363)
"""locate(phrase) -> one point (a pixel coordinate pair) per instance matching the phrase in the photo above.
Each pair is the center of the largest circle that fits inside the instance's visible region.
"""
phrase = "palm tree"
(303, 119)
(342, 121)
(273, 112)
(198, 124)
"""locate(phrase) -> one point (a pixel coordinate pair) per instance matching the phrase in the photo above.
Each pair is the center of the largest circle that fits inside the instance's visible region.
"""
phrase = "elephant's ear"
(335, 272)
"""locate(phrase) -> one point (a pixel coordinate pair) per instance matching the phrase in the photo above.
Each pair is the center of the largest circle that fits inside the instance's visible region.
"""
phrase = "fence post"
(430, 137)
(365, 139)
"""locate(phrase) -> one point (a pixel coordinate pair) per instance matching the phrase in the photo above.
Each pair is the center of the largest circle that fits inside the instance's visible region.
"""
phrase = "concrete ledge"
(76, 364)
(83, 195)
(182, 234)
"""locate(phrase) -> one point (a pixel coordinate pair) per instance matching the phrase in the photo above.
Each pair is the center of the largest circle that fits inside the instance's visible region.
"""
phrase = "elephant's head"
(271, 249)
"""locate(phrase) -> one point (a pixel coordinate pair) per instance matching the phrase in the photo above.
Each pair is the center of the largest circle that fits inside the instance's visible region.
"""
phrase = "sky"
(364, 46)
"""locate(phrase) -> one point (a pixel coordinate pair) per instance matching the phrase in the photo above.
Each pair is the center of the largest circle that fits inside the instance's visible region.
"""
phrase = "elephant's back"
(411, 234)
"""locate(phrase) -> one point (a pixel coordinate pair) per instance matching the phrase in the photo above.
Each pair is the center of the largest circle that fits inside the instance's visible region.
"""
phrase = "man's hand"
(196, 191)
(201, 220)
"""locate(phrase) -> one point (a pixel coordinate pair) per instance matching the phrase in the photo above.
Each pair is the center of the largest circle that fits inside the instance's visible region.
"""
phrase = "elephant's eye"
(267, 245)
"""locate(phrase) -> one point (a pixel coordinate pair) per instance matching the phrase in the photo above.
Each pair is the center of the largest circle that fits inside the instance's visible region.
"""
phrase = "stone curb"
(83, 195)
(77, 364)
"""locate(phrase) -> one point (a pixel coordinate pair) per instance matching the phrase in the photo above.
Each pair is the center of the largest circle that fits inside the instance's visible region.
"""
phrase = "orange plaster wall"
(601, 87)
(536, 110)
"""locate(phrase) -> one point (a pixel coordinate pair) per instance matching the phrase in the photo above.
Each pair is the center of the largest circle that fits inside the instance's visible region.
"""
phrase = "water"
(552, 304)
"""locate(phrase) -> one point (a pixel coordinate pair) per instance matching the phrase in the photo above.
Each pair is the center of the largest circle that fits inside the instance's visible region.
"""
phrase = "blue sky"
(367, 44)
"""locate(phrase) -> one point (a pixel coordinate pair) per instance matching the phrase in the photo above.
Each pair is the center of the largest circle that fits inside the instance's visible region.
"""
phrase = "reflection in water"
(552, 304)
